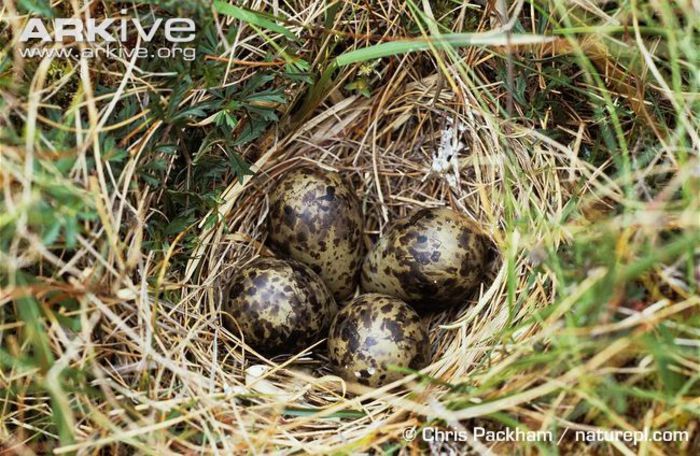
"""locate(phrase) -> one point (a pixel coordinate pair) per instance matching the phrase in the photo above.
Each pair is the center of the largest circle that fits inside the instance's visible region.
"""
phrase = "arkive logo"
(103, 32)
(176, 30)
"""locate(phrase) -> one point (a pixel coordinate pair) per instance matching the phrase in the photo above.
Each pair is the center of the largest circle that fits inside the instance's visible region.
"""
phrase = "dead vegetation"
(577, 155)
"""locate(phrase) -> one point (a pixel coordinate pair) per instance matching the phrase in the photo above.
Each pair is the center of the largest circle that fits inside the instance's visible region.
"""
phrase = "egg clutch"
(424, 263)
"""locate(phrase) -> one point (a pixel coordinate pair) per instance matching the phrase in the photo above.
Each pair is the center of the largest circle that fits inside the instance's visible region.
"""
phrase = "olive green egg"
(374, 332)
(278, 305)
(315, 218)
(431, 259)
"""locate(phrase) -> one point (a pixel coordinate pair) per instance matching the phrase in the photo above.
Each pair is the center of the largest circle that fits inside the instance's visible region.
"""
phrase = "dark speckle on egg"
(432, 260)
(316, 218)
(371, 334)
(278, 305)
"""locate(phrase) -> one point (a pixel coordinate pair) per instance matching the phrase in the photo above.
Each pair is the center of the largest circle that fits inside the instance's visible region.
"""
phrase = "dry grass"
(554, 340)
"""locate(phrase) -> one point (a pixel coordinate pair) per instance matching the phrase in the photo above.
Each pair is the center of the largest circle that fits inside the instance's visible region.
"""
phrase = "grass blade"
(446, 41)
(251, 17)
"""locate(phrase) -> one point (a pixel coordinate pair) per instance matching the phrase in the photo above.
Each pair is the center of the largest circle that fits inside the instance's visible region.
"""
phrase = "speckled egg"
(278, 305)
(316, 218)
(373, 332)
(431, 259)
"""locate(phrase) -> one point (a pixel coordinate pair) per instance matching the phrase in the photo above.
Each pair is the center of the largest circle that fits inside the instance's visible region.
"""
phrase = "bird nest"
(410, 146)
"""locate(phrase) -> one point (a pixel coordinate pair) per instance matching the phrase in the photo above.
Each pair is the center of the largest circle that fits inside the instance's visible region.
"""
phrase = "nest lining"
(295, 401)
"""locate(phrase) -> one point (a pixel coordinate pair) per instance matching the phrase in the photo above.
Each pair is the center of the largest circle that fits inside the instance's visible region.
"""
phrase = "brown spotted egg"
(315, 218)
(278, 305)
(431, 259)
(371, 334)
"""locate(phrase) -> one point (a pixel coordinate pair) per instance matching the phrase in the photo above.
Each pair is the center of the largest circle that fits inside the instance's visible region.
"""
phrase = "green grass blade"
(445, 41)
(313, 411)
(251, 17)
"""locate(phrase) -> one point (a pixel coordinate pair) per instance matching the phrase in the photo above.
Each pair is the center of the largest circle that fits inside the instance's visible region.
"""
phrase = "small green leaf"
(239, 166)
(179, 224)
(662, 346)
(50, 234)
(40, 7)
(170, 149)
(224, 118)
(71, 232)
(211, 220)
